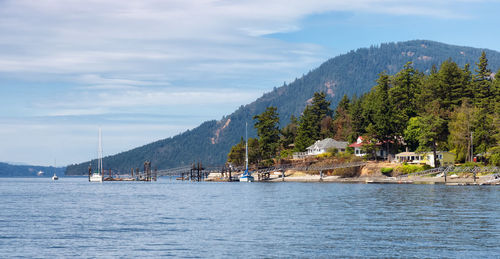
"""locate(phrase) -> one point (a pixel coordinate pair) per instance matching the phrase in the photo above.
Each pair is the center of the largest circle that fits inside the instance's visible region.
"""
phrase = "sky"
(146, 70)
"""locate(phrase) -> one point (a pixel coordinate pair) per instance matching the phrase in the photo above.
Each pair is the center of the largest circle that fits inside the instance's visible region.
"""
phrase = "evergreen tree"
(482, 83)
(383, 124)
(268, 132)
(484, 131)
(342, 122)
(254, 153)
(236, 155)
(460, 128)
(427, 130)
(310, 121)
(428, 90)
(496, 92)
(357, 120)
(451, 88)
(288, 133)
(402, 95)
(326, 128)
(467, 94)
(383, 111)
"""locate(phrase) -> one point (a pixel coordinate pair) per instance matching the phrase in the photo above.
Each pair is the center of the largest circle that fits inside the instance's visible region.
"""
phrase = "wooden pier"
(135, 175)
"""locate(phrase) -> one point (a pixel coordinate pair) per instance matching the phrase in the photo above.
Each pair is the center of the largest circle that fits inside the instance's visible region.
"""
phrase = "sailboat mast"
(246, 146)
(99, 161)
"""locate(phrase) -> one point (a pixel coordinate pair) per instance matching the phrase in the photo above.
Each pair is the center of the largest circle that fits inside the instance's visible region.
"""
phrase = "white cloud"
(101, 36)
(95, 57)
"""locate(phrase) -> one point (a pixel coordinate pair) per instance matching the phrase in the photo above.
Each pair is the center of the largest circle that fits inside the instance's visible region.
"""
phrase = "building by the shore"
(359, 151)
(445, 158)
(322, 146)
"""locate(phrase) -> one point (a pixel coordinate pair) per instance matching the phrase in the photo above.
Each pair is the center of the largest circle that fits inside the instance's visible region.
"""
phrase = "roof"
(408, 154)
(356, 144)
(328, 143)
(420, 153)
(362, 143)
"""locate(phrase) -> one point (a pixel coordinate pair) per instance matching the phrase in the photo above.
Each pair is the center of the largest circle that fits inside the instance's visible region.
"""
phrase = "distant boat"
(97, 176)
(55, 178)
(246, 176)
(40, 173)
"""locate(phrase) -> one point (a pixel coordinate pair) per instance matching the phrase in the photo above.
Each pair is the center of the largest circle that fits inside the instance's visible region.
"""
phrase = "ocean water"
(40, 218)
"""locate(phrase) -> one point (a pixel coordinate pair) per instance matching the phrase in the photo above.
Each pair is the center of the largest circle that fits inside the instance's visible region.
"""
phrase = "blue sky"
(147, 70)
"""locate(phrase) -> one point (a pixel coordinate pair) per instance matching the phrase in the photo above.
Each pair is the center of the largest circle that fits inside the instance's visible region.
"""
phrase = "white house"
(358, 148)
(322, 146)
(445, 158)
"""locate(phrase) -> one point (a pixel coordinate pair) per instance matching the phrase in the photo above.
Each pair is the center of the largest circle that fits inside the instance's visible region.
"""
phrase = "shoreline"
(482, 180)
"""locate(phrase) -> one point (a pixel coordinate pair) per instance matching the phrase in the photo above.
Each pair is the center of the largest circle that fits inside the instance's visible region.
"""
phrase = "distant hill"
(8, 170)
(351, 73)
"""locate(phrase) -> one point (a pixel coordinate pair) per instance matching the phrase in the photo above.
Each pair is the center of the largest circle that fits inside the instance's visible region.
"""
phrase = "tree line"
(451, 108)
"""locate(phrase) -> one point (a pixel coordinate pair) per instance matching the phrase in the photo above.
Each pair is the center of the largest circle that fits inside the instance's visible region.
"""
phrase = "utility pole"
(472, 146)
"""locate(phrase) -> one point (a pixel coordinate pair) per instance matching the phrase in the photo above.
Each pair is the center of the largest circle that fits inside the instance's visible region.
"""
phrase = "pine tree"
(427, 130)
(451, 87)
(236, 155)
(342, 122)
(357, 120)
(288, 133)
(402, 96)
(310, 122)
(482, 83)
(268, 132)
(484, 131)
(383, 112)
(460, 127)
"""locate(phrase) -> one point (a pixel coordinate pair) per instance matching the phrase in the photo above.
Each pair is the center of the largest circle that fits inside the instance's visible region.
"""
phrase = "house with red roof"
(360, 151)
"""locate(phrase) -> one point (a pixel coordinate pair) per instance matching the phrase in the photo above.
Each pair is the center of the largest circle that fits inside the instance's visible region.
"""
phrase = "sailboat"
(55, 178)
(246, 176)
(97, 176)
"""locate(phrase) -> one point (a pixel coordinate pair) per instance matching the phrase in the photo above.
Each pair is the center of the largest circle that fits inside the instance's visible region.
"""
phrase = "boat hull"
(95, 178)
(246, 179)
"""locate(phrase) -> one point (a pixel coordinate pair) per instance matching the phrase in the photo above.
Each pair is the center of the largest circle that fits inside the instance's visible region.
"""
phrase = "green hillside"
(353, 73)
(28, 170)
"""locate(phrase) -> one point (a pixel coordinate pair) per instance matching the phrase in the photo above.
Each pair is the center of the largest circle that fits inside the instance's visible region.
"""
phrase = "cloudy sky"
(149, 69)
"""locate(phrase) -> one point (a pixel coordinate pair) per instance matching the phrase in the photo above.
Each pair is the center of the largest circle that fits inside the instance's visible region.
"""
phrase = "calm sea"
(40, 218)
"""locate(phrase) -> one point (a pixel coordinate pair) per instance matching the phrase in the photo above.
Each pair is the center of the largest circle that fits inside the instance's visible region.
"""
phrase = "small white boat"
(54, 177)
(97, 176)
(246, 176)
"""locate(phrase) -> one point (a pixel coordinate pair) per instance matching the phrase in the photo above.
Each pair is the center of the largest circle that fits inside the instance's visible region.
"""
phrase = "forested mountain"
(28, 170)
(349, 74)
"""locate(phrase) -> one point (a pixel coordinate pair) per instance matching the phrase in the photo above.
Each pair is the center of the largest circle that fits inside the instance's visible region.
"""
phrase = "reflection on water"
(71, 217)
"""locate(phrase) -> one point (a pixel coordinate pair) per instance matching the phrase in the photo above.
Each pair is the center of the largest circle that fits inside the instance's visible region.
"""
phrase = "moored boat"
(246, 176)
(98, 175)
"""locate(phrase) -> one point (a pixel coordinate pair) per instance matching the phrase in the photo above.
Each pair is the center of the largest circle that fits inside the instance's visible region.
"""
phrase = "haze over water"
(74, 218)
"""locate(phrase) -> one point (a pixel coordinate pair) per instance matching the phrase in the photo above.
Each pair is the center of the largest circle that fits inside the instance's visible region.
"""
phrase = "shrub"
(287, 153)
(408, 169)
(494, 157)
(333, 151)
(387, 171)
(324, 155)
